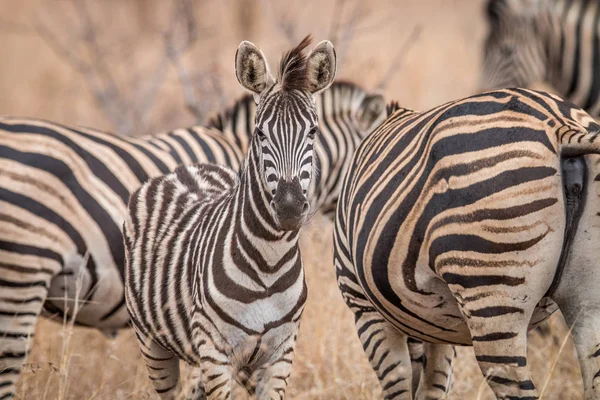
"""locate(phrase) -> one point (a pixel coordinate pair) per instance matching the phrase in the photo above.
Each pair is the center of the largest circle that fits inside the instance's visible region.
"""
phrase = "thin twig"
(96, 73)
(174, 51)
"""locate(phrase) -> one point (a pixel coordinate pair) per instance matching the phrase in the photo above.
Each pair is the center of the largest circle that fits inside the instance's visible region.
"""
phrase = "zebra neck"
(258, 232)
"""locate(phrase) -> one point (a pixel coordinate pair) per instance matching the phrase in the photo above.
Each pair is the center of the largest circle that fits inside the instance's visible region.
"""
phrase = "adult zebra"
(63, 194)
(213, 273)
(555, 41)
(457, 225)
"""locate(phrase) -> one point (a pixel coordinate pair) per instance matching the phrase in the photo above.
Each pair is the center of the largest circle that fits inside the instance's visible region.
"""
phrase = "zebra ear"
(321, 67)
(251, 68)
(371, 112)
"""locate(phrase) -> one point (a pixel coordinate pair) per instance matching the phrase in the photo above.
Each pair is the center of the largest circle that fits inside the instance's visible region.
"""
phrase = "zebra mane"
(221, 120)
(394, 106)
(292, 67)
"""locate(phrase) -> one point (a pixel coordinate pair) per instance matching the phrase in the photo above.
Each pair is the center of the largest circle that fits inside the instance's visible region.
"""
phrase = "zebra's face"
(514, 54)
(286, 123)
(286, 127)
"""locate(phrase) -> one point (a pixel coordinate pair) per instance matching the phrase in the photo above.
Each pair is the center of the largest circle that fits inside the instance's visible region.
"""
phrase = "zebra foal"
(213, 270)
(466, 224)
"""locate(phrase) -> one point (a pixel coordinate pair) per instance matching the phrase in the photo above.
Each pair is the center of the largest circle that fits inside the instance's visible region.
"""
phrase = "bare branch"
(283, 22)
(183, 10)
(338, 10)
(98, 76)
(400, 56)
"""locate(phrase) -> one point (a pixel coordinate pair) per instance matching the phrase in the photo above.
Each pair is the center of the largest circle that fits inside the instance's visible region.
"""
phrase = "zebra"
(463, 225)
(213, 271)
(555, 41)
(63, 196)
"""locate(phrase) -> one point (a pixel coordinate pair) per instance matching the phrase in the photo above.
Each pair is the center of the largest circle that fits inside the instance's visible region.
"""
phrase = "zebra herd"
(467, 224)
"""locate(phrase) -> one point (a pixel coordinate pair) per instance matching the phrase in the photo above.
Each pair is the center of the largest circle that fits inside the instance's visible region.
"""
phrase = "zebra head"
(514, 54)
(286, 122)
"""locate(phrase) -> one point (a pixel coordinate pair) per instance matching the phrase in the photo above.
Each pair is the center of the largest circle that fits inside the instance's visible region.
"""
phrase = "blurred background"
(136, 67)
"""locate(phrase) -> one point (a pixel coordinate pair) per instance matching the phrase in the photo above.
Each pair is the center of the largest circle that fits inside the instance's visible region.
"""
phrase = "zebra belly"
(446, 324)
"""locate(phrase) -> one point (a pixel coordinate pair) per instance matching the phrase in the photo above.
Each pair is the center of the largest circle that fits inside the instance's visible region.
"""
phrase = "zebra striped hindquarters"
(450, 228)
(213, 273)
(557, 42)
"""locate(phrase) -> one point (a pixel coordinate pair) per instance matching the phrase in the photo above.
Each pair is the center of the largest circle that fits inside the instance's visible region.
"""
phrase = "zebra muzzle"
(290, 205)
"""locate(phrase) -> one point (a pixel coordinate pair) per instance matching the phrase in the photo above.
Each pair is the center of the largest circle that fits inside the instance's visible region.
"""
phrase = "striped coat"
(462, 225)
(214, 275)
(63, 192)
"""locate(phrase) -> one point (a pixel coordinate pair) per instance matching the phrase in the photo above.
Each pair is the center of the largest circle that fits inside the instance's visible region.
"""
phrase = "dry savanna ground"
(136, 67)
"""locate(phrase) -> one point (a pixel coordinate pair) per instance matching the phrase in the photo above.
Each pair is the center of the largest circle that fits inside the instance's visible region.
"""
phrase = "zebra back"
(455, 226)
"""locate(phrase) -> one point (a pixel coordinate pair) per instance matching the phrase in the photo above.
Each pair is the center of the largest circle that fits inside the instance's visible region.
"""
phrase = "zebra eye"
(261, 134)
(313, 132)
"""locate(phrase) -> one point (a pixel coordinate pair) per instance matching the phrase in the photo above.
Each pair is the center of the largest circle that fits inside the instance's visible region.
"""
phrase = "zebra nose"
(289, 204)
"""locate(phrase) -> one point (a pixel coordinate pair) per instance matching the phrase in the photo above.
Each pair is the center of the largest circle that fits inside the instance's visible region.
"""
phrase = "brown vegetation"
(123, 66)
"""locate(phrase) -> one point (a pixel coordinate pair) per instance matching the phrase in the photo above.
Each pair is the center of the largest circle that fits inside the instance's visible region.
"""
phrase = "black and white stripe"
(62, 228)
(465, 225)
(63, 192)
(214, 275)
(557, 41)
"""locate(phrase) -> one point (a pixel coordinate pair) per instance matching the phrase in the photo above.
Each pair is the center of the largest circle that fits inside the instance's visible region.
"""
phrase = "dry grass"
(329, 361)
(76, 363)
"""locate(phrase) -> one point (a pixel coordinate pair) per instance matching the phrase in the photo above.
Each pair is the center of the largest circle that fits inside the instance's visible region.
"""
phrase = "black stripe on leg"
(388, 369)
(523, 385)
(520, 361)
(491, 337)
(6, 371)
(382, 359)
(393, 383)
(13, 355)
(165, 390)
(445, 375)
(495, 311)
(375, 347)
(441, 387)
(391, 396)
(215, 388)
(371, 336)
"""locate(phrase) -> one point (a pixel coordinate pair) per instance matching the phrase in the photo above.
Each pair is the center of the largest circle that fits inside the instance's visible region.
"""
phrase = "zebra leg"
(585, 323)
(273, 379)
(499, 337)
(416, 349)
(436, 377)
(192, 387)
(387, 351)
(20, 305)
(218, 379)
(162, 365)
